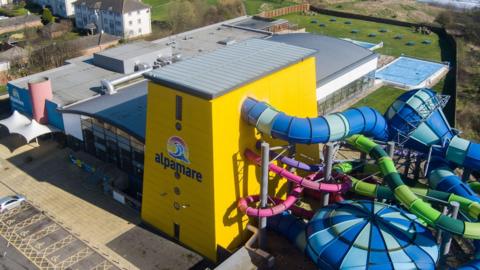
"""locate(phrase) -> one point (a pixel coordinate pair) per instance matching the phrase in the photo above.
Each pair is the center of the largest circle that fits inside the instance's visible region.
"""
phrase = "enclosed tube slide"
(306, 182)
(441, 177)
(418, 114)
(271, 211)
(404, 195)
(332, 127)
(290, 226)
(471, 208)
(298, 164)
(281, 206)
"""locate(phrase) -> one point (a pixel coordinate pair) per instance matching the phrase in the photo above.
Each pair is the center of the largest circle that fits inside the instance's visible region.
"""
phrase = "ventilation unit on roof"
(227, 41)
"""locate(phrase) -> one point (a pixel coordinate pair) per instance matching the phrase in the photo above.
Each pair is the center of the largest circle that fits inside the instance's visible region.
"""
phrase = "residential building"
(5, 2)
(61, 8)
(123, 18)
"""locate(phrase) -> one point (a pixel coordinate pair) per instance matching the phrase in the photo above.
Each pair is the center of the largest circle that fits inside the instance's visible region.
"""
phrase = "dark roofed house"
(124, 18)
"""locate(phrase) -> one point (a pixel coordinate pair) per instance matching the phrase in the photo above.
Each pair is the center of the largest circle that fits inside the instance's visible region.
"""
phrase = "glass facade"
(112, 145)
(344, 94)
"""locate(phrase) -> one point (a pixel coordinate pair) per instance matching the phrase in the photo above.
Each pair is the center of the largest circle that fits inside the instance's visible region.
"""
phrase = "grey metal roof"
(334, 56)
(118, 6)
(78, 80)
(127, 109)
(130, 50)
(214, 74)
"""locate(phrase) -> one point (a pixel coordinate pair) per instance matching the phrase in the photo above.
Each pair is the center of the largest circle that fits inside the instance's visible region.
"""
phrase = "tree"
(47, 16)
(182, 16)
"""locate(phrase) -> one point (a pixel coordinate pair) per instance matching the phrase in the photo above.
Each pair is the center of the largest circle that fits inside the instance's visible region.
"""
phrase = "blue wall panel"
(19, 99)
(54, 117)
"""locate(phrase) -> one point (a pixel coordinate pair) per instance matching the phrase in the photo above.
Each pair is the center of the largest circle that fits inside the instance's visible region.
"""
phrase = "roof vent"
(227, 41)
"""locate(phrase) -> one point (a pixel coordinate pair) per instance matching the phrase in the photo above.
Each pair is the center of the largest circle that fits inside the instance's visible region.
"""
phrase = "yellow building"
(194, 166)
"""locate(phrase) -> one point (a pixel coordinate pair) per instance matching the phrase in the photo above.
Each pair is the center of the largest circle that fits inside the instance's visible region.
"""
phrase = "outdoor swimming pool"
(410, 73)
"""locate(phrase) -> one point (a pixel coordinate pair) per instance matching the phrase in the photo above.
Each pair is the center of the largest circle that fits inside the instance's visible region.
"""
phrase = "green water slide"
(408, 196)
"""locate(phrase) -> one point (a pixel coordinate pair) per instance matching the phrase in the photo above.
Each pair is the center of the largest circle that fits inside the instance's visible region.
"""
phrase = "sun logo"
(178, 149)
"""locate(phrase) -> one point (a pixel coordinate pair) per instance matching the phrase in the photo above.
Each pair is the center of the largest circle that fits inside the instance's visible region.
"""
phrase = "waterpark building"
(344, 69)
(99, 102)
(194, 125)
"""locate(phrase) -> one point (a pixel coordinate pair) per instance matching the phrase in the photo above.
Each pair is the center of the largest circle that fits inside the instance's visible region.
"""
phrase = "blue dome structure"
(369, 235)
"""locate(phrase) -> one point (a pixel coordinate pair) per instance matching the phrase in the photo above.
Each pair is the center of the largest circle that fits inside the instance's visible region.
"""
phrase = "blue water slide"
(290, 226)
(441, 177)
(332, 127)
(473, 265)
(418, 115)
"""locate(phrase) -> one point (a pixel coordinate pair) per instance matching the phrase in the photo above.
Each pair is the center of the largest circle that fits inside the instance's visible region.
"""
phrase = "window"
(129, 22)
(138, 12)
(139, 21)
(139, 30)
(129, 13)
(148, 10)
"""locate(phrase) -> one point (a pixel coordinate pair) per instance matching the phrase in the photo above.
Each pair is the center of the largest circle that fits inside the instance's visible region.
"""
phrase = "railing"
(284, 11)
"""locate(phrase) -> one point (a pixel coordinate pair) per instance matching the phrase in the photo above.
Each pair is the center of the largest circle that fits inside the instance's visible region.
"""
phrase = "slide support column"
(391, 148)
(291, 153)
(262, 222)
(446, 236)
(440, 231)
(328, 171)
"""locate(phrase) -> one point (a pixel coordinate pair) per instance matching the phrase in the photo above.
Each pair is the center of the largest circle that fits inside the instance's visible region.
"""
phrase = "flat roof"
(131, 50)
(334, 56)
(127, 109)
(214, 74)
(75, 81)
(79, 79)
(206, 39)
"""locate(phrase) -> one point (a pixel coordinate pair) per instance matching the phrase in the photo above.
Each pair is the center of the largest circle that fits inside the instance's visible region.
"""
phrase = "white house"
(5, 2)
(62, 8)
(124, 18)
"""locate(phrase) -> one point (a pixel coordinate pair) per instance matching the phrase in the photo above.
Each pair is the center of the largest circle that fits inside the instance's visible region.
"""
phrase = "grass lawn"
(381, 99)
(392, 46)
(160, 7)
(13, 12)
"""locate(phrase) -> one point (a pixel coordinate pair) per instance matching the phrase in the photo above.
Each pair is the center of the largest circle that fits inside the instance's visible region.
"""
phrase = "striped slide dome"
(369, 235)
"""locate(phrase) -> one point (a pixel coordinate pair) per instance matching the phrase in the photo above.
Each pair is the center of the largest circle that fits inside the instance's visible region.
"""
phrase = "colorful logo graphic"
(178, 149)
(15, 93)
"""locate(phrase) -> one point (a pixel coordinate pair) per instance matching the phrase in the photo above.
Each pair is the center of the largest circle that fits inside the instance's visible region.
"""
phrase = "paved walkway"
(51, 183)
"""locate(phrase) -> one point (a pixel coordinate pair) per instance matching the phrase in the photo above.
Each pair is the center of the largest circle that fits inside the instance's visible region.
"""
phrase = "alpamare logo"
(178, 150)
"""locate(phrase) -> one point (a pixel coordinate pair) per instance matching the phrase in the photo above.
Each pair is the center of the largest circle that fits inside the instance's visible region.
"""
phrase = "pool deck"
(411, 73)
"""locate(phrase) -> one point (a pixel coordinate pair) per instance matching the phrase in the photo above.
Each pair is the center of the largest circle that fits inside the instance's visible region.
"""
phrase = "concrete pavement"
(50, 182)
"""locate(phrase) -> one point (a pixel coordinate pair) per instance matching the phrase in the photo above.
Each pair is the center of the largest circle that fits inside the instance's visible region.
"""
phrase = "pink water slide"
(301, 182)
